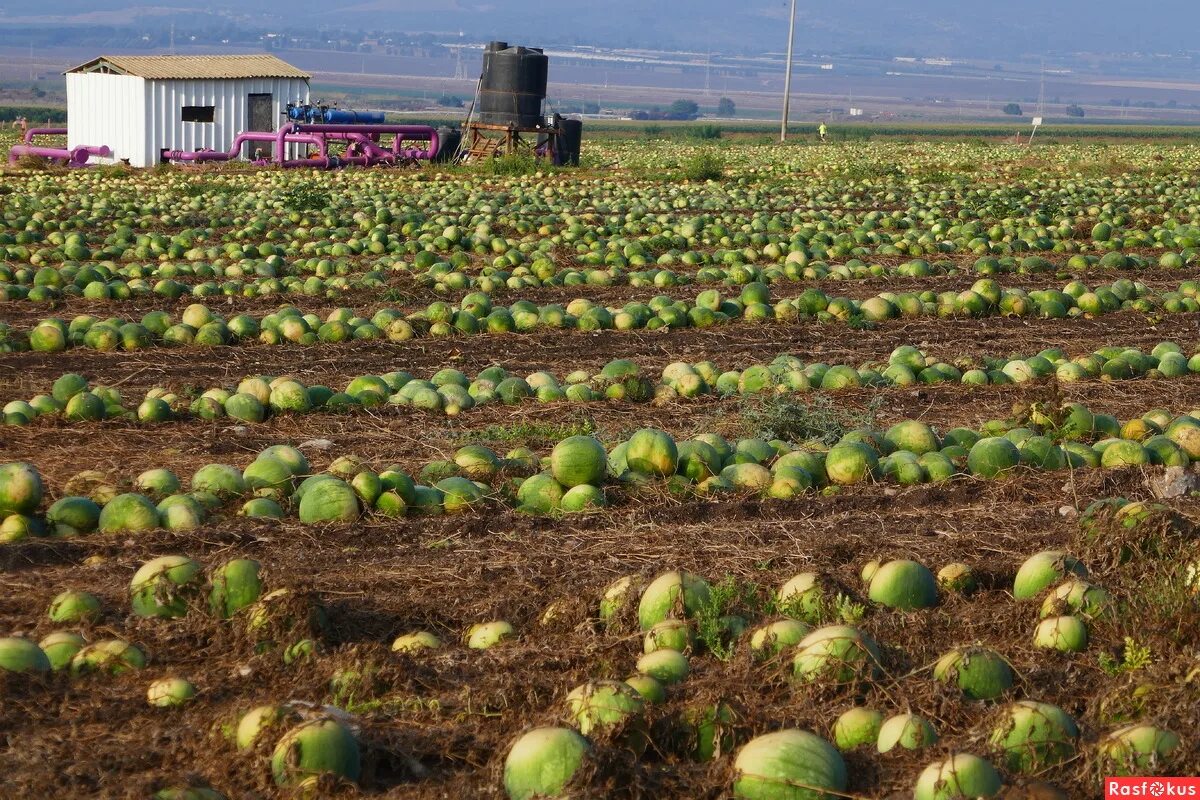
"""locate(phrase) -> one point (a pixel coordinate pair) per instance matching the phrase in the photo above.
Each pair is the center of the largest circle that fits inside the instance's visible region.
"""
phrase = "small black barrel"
(513, 85)
(570, 140)
(449, 141)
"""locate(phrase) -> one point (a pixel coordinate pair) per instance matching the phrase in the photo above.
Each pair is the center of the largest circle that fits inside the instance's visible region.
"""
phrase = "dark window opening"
(198, 113)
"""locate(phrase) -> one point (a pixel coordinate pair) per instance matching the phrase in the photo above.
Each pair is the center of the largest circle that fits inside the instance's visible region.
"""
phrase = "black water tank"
(570, 139)
(513, 85)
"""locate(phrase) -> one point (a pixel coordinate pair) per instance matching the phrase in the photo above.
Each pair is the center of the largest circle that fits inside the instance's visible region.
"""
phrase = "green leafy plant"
(514, 164)
(729, 597)
(306, 198)
(531, 433)
(704, 166)
(849, 611)
(706, 132)
(1134, 656)
(818, 419)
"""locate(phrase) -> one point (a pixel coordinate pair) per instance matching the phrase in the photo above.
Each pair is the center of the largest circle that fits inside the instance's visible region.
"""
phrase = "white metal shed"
(142, 105)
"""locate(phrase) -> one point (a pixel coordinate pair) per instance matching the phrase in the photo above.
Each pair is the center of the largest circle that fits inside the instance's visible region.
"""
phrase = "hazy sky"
(987, 28)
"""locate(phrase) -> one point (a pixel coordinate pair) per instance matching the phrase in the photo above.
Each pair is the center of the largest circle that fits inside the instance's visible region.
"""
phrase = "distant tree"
(684, 109)
(726, 107)
(1012, 109)
(591, 108)
(450, 101)
(1074, 111)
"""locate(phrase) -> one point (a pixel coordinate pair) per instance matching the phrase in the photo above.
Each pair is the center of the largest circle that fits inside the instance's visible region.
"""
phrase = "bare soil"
(438, 725)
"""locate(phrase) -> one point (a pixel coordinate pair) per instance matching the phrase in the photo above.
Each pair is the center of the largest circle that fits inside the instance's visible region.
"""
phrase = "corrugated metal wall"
(139, 118)
(164, 101)
(107, 109)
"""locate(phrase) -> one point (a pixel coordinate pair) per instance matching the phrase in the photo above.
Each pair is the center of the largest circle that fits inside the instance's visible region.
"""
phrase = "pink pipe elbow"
(32, 132)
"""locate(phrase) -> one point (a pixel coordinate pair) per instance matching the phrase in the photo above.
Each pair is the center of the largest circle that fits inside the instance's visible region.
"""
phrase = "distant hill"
(980, 28)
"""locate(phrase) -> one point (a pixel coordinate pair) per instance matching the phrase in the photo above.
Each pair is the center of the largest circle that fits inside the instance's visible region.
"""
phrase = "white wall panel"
(107, 109)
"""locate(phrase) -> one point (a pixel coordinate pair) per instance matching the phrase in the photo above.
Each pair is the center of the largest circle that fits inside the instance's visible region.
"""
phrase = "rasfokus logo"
(1151, 787)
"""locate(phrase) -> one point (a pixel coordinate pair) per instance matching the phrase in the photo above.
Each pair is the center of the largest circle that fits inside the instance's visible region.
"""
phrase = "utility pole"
(1041, 106)
(787, 80)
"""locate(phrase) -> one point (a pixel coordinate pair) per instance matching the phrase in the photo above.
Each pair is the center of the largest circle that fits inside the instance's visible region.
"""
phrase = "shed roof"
(216, 67)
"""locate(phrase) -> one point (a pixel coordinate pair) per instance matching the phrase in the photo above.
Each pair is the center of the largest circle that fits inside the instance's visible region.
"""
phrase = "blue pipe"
(337, 116)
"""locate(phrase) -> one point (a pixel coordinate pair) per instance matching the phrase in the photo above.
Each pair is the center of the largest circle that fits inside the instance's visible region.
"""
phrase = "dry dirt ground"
(438, 725)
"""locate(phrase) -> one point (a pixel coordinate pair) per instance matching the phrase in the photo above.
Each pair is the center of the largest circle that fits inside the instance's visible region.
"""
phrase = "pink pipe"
(32, 132)
(75, 157)
(56, 153)
(241, 139)
(79, 156)
(372, 149)
(364, 135)
(423, 132)
(280, 135)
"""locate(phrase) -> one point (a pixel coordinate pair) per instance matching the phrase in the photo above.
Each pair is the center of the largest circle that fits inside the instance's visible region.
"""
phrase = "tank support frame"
(485, 140)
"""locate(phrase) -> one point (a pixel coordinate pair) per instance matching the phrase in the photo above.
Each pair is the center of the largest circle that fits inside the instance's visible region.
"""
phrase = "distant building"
(142, 105)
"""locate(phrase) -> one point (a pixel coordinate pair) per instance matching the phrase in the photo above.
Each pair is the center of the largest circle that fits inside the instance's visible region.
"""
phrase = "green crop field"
(713, 468)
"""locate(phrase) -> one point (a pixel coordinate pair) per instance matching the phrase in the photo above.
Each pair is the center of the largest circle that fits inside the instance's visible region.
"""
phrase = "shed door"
(259, 114)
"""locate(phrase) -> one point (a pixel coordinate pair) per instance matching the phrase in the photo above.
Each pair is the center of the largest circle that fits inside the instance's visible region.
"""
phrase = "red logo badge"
(1152, 788)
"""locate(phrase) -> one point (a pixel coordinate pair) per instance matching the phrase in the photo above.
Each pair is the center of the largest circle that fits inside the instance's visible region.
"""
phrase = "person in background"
(822, 130)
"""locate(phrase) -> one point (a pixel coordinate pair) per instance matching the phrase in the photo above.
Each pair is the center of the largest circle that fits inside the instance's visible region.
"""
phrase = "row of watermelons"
(199, 326)
(252, 275)
(573, 477)
(450, 391)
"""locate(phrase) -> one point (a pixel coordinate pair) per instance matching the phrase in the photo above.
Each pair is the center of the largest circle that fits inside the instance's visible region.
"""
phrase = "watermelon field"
(730, 470)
